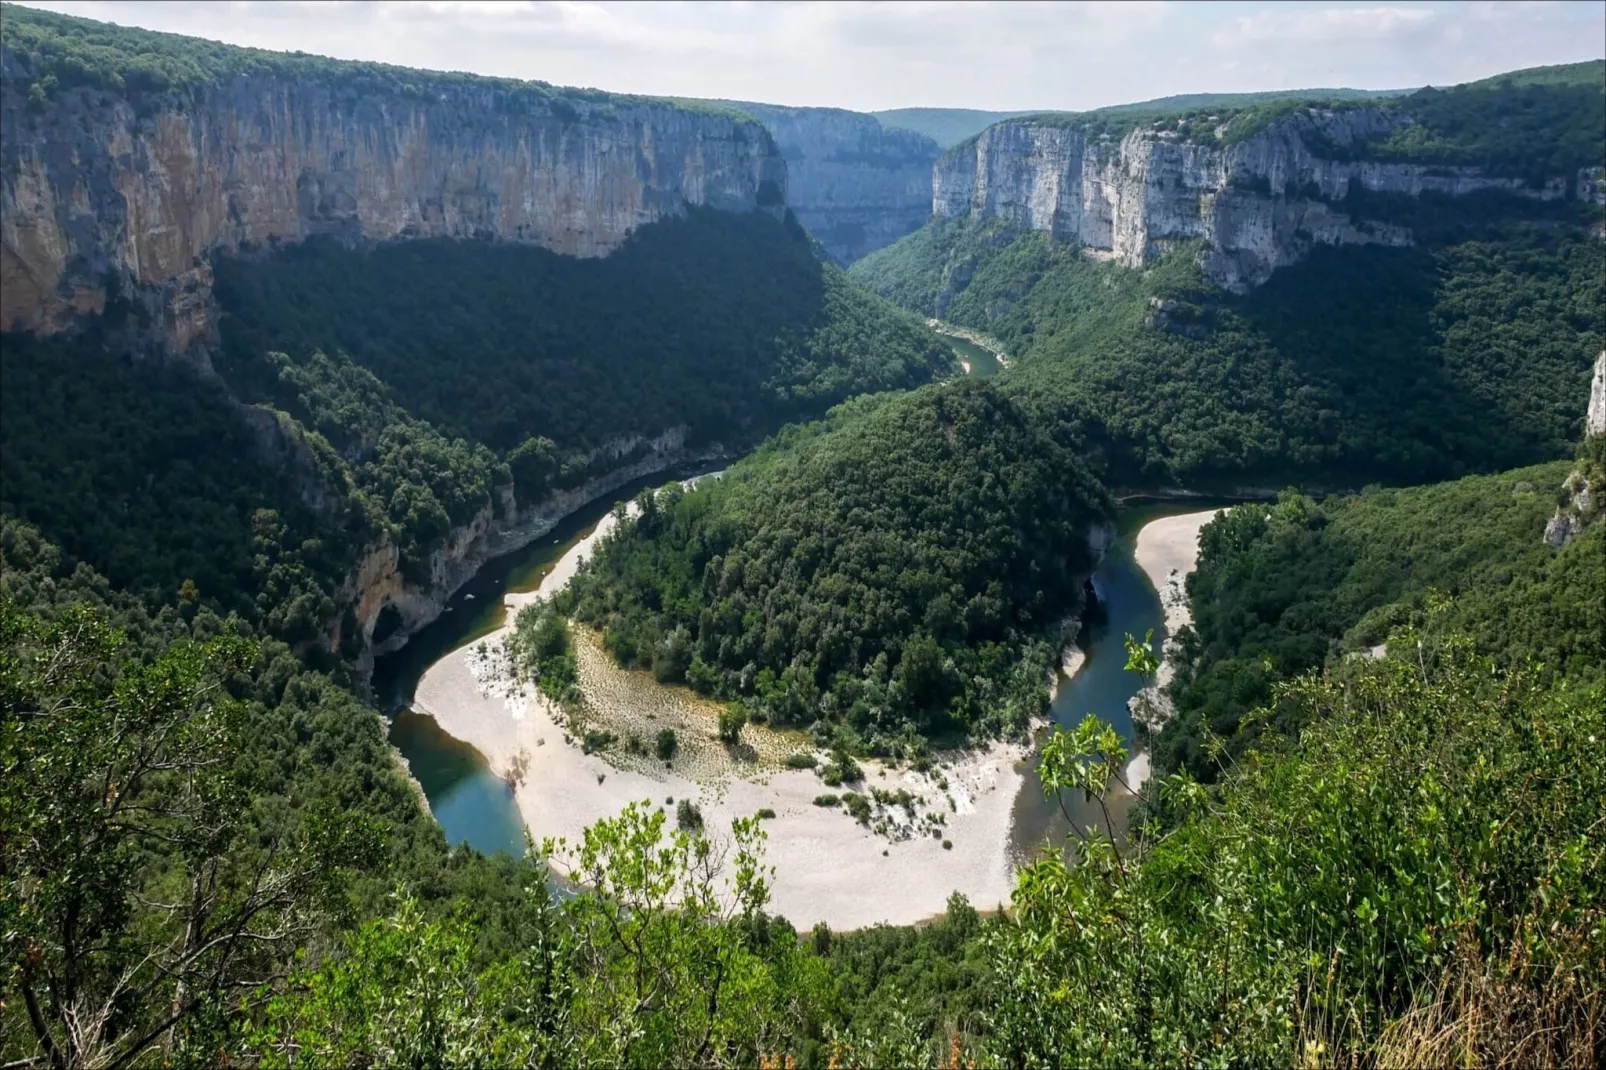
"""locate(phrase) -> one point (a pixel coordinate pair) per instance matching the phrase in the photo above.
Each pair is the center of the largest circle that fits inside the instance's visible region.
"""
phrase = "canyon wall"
(1259, 204)
(377, 584)
(106, 197)
(854, 184)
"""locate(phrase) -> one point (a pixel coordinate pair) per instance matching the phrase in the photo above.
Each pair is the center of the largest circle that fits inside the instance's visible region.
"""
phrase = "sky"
(870, 56)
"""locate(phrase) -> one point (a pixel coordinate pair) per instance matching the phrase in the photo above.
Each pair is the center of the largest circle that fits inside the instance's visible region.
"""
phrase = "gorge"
(352, 541)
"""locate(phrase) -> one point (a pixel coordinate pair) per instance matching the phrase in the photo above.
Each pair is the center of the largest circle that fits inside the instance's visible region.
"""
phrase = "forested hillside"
(248, 915)
(1373, 836)
(1284, 590)
(901, 566)
(414, 384)
(1360, 364)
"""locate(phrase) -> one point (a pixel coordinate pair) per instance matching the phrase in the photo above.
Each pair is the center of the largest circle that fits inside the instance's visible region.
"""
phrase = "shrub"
(688, 815)
(826, 800)
(831, 777)
(858, 805)
(766, 814)
(595, 741)
(801, 760)
(947, 845)
(667, 744)
(731, 721)
(846, 769)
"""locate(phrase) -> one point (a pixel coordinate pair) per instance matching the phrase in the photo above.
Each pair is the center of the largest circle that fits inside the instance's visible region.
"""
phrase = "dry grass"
(626, 701)
(1510, 1014)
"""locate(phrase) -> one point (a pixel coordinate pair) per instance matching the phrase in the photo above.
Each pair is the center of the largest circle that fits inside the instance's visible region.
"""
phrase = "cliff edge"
(121, 186)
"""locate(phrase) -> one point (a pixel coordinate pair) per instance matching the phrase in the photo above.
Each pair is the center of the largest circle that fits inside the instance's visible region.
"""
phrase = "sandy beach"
(827, 866)
(1168, 551)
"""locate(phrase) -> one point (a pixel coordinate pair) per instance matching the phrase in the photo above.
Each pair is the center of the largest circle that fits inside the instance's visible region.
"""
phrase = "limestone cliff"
(854, 184)
(1258, 204)
(1595, 416)
(103, 196)
(1581, 500)
(377, 585)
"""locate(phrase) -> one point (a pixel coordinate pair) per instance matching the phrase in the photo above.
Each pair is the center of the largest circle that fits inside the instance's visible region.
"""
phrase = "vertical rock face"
(855, 185)
(1259, 204)
(1595, 420)
(1582, 499)
(105, 197)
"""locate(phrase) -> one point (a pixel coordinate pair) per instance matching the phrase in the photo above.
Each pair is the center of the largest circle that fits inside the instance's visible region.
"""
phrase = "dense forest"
(1349, 856)
(1360, 364)
(399, 392)
(902, 565)
(1286, 589)
(717, 321)
(259, 885)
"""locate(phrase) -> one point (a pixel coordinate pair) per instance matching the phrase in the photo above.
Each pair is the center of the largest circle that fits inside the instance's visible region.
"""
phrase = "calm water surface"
(472, 804)
(476, 807)
(983, 365)
(1103, 686)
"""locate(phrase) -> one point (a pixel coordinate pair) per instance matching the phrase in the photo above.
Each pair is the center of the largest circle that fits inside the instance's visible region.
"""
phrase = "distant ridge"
(946, 126)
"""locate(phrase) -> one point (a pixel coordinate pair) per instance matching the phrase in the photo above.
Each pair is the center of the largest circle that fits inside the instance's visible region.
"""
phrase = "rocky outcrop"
(1258, 205)
(1580, 501)
(377, 588)
(103, 198)
(854, 184)
(1595, 417)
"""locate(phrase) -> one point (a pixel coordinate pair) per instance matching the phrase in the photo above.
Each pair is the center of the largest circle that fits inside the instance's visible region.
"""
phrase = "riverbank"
(1167, 551)
(827, 866)
(981, 341)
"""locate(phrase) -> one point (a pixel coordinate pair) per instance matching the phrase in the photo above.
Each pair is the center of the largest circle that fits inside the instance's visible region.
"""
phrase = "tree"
(731, 721)
(666, 975)
(132, 901)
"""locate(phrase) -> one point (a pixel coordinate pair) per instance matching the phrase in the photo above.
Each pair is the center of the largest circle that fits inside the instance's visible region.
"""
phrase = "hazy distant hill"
(946, 126)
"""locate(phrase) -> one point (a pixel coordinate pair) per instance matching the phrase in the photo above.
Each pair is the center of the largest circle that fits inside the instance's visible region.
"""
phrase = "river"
(472, 804)
(1102, 686)
(979, 363)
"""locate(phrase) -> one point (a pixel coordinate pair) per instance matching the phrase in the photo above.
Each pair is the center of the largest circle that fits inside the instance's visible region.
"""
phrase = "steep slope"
(1282, 590)
(422, 316)
(1452, 337)
(855, 184)
(130, 157)
(1263, 186)
(898, 568)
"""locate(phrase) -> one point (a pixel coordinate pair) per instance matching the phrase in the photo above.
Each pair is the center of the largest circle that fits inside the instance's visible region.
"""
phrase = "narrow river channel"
(472, 804)
(1131, 606)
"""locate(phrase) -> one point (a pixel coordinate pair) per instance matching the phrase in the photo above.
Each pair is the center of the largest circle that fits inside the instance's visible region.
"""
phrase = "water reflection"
(473, 805)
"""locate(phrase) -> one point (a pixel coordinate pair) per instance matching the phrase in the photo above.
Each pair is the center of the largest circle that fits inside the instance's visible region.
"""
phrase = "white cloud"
(1327, 25)
(994, 55)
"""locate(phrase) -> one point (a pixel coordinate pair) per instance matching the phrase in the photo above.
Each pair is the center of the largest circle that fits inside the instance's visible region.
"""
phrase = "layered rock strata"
(1258, 205)
(103, 198)
(854, 184)
(378, 585)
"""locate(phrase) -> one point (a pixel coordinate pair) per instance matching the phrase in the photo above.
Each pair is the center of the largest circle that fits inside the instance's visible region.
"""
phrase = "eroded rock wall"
(378, 582)
(1258, 205)
(101, 197)
(854, 184)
